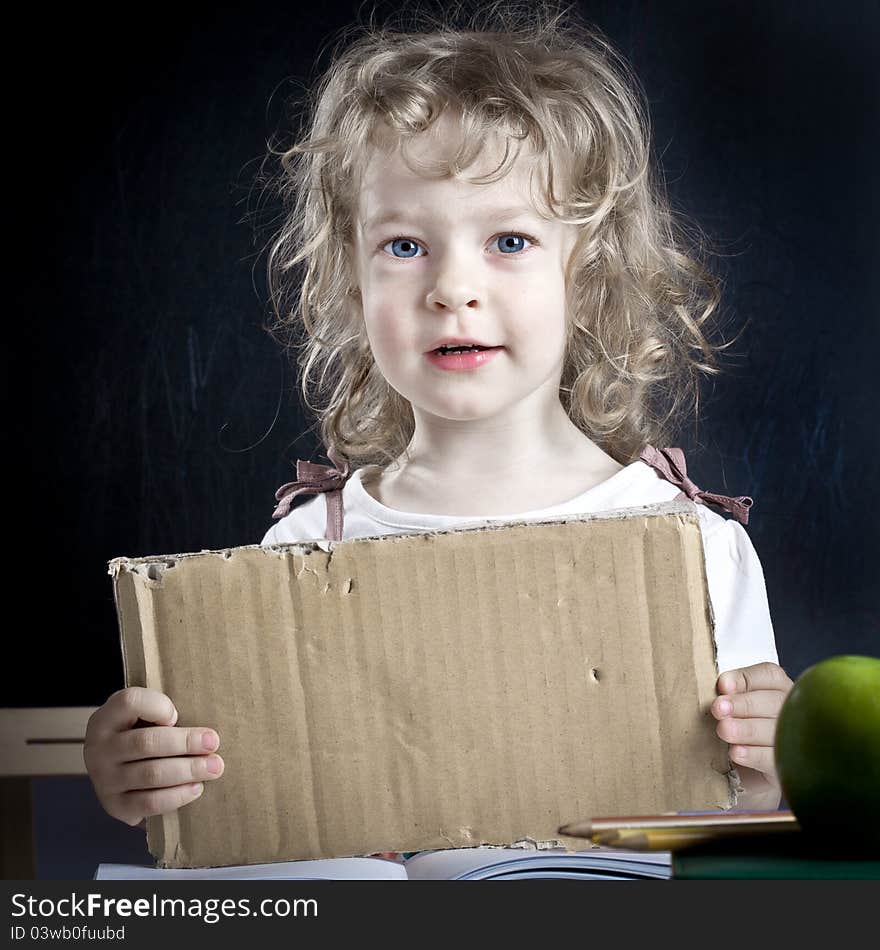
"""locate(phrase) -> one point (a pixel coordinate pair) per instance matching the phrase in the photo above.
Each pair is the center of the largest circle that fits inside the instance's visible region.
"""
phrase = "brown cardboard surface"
(477, 686)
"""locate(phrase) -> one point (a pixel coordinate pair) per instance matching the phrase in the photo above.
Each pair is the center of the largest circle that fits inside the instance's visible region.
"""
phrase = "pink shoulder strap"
(670, 464)
(311, 479)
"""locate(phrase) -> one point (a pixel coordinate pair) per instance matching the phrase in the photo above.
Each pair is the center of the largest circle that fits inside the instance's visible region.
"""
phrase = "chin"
(460, 411)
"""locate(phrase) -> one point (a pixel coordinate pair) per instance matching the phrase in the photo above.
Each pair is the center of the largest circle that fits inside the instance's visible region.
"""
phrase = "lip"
(458, 341)
(463, 361)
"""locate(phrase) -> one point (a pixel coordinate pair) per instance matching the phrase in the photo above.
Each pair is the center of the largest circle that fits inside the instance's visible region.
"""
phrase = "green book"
(777, 856)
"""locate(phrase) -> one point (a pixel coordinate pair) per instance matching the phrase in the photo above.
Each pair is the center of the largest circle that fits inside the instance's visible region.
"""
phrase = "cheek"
(389, 334)
(537, 317)
(390, 328)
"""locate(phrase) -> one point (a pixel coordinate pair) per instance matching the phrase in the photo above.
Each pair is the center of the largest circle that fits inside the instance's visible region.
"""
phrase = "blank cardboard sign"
(409, 692)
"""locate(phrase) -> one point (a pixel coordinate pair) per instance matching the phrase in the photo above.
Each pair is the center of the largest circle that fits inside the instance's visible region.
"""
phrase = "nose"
(454, 286)
(450, 300)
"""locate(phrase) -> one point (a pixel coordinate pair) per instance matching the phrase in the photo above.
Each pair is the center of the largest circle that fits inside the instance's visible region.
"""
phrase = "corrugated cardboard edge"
(153, 566)
(158, 563)
(135, 638)
(163, 830)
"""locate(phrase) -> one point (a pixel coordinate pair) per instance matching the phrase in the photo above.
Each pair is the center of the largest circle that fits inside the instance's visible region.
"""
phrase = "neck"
(496, 448)
(521, 460)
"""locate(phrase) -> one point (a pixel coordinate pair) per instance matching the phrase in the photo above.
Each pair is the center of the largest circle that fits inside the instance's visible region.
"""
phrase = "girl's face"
(443, 258)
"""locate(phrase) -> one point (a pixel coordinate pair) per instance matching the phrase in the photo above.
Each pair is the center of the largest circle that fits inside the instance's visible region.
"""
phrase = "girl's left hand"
(748, 706)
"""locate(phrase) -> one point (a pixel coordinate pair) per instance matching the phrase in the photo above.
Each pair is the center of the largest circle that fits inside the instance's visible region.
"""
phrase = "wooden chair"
(33, 742)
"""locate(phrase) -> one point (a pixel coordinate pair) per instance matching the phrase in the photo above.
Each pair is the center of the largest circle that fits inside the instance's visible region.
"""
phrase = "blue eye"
(508, 244)
(405, 241)
(506, 238)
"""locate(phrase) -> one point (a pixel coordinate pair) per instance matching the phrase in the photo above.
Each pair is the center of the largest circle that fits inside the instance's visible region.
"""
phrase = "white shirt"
(743, 630)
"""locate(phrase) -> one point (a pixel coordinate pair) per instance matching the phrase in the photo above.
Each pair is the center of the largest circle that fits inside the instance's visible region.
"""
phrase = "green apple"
(827, 749)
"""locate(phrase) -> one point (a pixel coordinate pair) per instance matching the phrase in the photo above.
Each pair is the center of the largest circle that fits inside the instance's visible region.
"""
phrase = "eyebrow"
(502, 213)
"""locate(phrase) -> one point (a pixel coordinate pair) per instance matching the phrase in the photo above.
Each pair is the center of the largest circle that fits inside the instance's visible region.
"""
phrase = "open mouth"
(443, 350)
(462, 357)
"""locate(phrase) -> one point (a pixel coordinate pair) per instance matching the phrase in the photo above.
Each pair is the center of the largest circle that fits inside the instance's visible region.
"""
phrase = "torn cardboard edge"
(162, 562)
(174, 838)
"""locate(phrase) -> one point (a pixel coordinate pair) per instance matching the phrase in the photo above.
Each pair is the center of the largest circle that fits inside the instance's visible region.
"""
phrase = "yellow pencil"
(717, 823)
(672, 839)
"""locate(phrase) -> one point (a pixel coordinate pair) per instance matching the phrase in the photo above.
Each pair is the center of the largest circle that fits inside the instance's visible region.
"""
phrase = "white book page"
(332, 869)
(455, 862)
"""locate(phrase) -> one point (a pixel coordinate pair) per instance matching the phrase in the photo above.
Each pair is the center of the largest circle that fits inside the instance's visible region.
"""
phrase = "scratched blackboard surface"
(149, 412)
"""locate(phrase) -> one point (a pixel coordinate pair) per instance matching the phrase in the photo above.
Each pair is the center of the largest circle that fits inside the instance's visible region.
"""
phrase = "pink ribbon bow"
(311, 479)
(672, 464)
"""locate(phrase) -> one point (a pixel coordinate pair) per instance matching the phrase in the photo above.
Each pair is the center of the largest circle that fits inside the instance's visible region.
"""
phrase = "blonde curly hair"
(637, 297)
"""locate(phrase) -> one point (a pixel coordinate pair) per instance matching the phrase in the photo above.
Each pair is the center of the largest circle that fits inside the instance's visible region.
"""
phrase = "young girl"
(503, 323)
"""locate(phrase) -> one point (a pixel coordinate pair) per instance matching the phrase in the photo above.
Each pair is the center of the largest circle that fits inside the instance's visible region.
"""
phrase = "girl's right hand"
(147, 770)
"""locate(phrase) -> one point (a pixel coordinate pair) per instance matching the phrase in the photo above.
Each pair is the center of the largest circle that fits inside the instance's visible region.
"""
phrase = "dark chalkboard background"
(148, 412)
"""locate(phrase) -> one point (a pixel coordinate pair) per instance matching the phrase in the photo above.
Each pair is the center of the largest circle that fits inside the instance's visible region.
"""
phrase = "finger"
(762, 703)
(141, 804)
(166, 744)
(123, 709)
(167, 773)
(748, 678)
(163, 741)
(759, 758)
(752, 732)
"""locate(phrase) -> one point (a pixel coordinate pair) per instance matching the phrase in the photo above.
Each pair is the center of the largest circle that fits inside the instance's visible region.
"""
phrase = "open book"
(458, 864)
